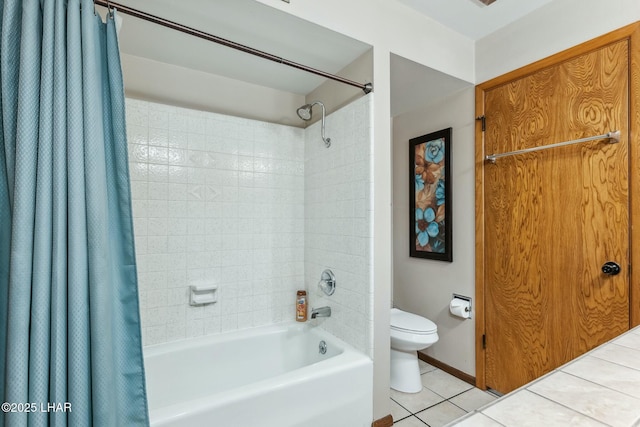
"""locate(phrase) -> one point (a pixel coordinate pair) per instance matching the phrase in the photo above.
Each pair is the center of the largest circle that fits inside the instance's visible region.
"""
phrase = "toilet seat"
(402, 321)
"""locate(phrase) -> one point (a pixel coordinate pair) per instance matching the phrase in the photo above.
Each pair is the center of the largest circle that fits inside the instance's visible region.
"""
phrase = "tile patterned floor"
(600, 388)
(443, 399)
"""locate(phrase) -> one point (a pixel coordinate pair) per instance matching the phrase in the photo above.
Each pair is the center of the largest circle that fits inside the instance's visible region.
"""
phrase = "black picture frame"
(430, 233)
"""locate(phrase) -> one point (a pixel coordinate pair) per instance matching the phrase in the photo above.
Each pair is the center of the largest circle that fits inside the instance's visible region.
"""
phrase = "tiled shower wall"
(338, 221)
(216, 199)
(257, 209)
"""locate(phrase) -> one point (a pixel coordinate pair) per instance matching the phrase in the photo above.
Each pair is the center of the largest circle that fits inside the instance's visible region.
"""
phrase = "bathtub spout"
(321, 312)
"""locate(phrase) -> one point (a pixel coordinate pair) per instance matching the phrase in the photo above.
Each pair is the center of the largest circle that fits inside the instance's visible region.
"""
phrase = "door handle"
(611, 268)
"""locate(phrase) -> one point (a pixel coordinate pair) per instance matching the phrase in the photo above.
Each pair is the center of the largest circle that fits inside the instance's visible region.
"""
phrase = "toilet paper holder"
(468, 305)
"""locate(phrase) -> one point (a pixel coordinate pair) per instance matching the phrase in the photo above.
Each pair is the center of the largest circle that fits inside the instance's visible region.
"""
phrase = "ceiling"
(472, 18)
(266, 28)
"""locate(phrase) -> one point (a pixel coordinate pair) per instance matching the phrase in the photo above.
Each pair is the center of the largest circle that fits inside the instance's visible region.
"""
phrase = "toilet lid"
(409, 322)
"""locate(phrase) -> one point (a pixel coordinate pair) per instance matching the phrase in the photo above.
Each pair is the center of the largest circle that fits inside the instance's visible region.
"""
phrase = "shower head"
(304, 113)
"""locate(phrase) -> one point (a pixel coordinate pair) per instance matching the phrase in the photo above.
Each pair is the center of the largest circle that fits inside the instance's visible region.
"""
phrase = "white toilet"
(409, 333)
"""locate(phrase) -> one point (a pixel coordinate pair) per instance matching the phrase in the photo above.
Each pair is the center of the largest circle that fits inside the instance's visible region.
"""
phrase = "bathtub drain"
(322, 347)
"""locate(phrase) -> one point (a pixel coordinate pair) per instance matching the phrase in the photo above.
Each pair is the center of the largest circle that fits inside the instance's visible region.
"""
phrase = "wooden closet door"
(554, 217)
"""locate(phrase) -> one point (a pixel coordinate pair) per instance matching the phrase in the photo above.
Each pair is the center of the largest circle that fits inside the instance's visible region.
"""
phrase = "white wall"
(335, 95)
(338, 221)
(217, 199)
(424, 286)
(557, 26)
(170, 84)
(381, 231)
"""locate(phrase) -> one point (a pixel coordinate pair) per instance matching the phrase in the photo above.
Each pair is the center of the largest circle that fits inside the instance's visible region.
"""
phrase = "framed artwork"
(430, 196)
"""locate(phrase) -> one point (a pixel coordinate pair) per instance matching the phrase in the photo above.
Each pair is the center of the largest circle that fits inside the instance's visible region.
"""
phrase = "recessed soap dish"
(202, 294)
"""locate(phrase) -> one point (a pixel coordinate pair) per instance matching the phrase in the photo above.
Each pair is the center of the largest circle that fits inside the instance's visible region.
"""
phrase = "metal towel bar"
(613, 137)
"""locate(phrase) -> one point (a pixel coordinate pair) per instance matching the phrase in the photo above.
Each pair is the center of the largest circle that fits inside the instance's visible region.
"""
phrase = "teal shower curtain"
(70, 346)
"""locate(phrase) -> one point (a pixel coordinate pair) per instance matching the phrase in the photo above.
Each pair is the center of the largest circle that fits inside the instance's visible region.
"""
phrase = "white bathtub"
(268, 376)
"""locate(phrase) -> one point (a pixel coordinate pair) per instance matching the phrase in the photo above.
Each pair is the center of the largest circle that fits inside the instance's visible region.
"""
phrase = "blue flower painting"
(425, 225)
(431, 226)
(434, 151)
(440, 192)
(419, 183)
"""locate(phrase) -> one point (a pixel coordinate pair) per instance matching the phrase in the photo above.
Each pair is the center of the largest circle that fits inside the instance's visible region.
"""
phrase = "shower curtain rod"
(367, 87)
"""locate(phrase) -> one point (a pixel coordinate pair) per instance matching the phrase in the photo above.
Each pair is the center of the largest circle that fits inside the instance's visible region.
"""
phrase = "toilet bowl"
(409, 333)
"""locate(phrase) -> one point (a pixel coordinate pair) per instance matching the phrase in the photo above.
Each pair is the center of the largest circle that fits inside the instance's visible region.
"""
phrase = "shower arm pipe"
(366, 87)
(327, 141)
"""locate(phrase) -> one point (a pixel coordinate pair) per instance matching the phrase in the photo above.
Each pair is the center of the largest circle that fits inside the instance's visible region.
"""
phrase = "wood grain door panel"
(553, 217)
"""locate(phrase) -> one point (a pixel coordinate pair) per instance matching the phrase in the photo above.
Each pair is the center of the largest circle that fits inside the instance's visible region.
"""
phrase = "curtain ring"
(109, 9)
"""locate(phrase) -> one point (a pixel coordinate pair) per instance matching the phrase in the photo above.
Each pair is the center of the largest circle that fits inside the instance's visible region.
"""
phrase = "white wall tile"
(337, 199)
(196, 209)
(258, 208)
